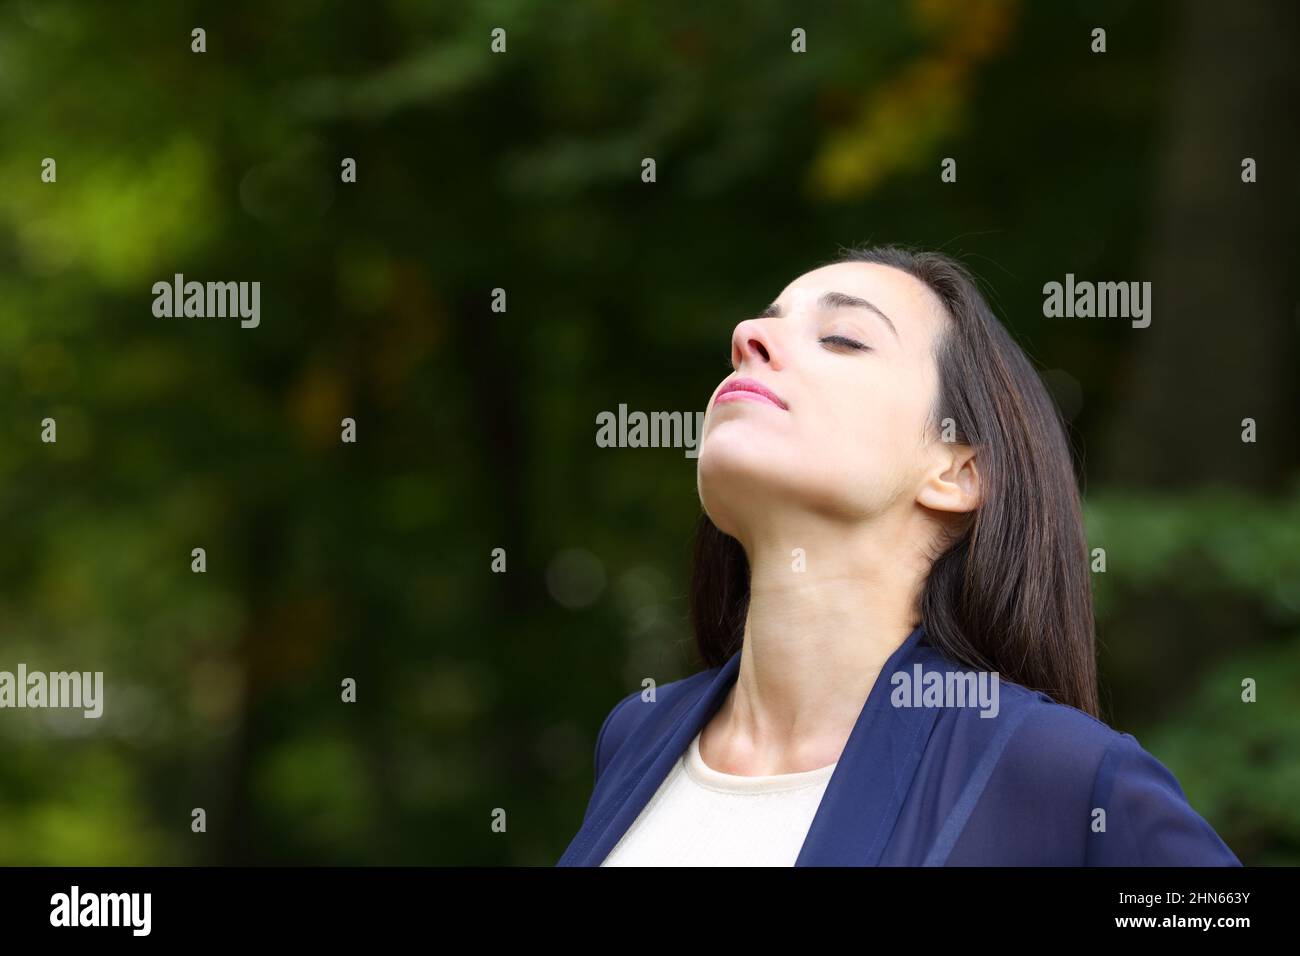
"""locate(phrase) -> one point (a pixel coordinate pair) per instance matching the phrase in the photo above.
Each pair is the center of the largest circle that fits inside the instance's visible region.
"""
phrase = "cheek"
(868, 449)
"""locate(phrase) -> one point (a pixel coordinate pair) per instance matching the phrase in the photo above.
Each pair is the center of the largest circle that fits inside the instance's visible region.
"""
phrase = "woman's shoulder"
(1052, 739)
(987, 704)
(1039, 741)
(1063, 760)
(649, 710)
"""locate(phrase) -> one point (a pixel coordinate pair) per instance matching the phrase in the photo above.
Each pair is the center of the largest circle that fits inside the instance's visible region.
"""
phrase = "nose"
(753, 342)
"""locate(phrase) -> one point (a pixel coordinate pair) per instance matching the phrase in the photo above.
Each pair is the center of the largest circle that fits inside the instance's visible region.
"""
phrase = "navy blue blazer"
(930, 785)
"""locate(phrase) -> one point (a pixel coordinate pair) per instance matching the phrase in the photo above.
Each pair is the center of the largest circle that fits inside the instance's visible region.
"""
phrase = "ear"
(953, 483)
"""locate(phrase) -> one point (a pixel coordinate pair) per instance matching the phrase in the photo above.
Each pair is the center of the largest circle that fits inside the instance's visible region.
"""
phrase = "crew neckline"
(706, 776)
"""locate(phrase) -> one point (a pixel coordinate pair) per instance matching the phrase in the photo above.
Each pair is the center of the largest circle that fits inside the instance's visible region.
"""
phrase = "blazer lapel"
(865, 794)
(862, 799)
(615, 816)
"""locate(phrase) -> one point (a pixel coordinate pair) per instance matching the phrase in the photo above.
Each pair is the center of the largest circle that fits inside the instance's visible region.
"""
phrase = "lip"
(747, 389)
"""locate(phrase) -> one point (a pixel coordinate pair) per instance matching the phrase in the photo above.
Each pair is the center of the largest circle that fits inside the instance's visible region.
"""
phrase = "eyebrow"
(834, 300)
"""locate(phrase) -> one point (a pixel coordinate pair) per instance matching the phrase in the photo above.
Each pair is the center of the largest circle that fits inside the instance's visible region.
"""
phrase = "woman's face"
(846, 353)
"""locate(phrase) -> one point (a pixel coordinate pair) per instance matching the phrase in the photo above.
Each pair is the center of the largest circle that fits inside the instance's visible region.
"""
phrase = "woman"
(892, 599)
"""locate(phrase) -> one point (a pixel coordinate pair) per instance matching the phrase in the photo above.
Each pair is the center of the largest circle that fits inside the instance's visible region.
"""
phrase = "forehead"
(915, 310)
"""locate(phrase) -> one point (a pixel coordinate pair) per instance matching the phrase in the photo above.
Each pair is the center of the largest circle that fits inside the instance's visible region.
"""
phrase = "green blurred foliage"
(1238, 759)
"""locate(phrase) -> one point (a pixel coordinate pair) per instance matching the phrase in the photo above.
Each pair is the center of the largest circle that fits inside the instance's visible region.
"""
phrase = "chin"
(729, 456)
(735, 474)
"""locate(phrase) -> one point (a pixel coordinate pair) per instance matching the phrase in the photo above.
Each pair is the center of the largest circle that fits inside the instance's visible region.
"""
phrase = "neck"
(818, 632)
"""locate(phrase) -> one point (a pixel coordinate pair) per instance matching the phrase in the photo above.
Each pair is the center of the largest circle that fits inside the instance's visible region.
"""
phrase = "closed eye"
(843, 342)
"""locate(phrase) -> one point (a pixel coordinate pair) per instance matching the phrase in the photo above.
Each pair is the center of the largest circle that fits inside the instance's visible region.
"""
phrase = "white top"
(703, 817)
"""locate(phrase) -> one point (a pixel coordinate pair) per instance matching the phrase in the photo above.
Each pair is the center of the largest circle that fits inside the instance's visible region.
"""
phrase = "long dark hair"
(1012, 592)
